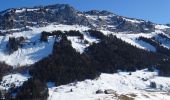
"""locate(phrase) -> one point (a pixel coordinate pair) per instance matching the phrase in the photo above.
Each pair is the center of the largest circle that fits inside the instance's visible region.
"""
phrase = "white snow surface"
(135, 85)
(133, 40)
(161, 27)
(79, 44)
(33, 50)
(25, 9)
(13, 80)
(164, 41)
(132, 20)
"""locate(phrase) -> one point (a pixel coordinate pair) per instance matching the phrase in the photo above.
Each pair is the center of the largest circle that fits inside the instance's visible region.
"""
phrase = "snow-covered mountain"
(29, 23)
(65, 14)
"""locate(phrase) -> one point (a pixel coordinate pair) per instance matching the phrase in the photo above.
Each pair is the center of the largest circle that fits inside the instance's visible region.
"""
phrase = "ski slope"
(33, 50)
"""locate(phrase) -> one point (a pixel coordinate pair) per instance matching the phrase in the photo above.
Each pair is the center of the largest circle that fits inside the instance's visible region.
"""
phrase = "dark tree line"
(96, 34)
(164, 67)
(14, 44)
(159, 49)
(33, 89)
(163, 36)
(65, 65)
(4, 69)
(45, 35)
(74, 33)
(112, 54)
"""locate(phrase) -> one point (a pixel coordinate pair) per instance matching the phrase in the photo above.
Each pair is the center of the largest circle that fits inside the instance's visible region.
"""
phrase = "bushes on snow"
(33, 89)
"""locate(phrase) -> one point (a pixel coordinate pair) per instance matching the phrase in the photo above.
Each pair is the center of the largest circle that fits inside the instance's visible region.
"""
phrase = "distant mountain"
(59, 13)
(65, 14)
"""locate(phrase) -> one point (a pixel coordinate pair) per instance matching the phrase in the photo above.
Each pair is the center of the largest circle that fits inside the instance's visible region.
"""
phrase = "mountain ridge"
(66, 14)
(37, 19)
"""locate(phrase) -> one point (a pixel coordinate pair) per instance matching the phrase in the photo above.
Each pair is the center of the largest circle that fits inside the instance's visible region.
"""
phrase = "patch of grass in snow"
(125, 97)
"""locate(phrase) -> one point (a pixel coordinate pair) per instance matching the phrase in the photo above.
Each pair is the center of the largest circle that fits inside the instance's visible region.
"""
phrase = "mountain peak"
(68, 15)
(40, 15)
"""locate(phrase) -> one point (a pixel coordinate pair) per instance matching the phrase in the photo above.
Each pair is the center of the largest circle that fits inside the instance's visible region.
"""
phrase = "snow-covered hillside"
(127, 29)
(29, 23)
(119, 86)
(34, 50)
(139, 85)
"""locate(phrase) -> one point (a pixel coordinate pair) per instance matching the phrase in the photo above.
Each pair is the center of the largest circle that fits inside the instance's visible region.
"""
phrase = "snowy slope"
(79, 44)
(129, 85)
(132, 39)
(33, 50)
(123, 84)
(161, 27)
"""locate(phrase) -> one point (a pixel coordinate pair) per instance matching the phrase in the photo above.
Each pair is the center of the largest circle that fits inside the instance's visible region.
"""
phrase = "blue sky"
(153, 10)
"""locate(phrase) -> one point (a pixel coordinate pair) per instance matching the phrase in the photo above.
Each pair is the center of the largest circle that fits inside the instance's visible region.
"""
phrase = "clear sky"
(153, 10)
